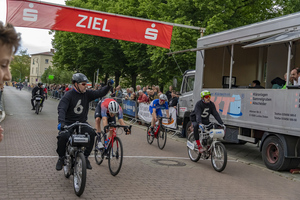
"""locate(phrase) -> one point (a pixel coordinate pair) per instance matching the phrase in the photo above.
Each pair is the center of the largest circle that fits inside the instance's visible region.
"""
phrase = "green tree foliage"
(20, 66)
(60, 76)
(289, 6)
(146, 64)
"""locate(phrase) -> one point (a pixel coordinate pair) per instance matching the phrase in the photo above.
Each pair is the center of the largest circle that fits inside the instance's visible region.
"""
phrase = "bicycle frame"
(114, 154)
(111, 141)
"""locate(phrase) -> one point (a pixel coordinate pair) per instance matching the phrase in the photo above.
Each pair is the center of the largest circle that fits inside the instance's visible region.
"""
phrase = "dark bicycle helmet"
(40, 84)
(79, 78)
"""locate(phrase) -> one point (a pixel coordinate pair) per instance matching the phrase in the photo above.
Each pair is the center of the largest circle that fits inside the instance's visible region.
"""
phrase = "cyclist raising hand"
(155, 109)
(201, 113)
(73, 107)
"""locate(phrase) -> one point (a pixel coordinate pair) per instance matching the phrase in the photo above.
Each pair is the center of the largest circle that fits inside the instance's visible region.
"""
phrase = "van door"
(186, 98)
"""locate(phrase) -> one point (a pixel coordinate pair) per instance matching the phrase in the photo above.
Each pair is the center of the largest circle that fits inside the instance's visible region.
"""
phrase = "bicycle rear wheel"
(161, 137)
(79, 178)
(219, 157)
(193, 153)
(150, 137)
(115, 157)
(98, 152)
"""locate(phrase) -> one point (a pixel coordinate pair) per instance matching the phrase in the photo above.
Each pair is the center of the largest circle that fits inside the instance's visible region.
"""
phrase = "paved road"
(28, 158)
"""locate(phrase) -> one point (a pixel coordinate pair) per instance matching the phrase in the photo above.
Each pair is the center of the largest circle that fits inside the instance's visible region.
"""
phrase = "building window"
(33, 61)
(46, 61)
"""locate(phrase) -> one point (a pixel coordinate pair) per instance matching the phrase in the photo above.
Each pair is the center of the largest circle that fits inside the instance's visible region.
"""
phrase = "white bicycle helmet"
(113, 107)
(163, 97)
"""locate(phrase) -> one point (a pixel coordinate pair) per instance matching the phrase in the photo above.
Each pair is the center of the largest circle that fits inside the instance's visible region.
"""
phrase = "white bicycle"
(212, 147)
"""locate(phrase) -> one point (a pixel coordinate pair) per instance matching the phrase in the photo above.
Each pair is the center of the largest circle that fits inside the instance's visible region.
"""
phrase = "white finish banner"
(144, 114)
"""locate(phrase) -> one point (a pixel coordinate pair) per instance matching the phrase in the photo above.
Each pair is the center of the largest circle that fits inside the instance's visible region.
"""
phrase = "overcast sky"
(34, 40)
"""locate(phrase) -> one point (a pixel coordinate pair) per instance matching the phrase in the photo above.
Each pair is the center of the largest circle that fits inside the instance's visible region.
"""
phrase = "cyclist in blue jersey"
(155, 109)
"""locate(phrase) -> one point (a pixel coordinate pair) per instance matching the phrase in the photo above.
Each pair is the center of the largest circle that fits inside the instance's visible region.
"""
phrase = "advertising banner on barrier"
(144, 114)
(129, 107)
(35, 14)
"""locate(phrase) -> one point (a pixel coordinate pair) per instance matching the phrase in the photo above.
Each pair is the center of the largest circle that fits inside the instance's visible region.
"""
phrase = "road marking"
(156, 157)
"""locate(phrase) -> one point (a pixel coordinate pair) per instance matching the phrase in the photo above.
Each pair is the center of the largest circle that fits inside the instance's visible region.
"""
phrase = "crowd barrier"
(136, 112)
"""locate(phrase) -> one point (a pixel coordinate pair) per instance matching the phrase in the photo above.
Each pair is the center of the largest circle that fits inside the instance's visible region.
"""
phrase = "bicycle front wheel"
(161, 137)
(219, 157)
(98, 152)
(193, 153)
(115, 156)
(37, 108)
(150, 137)
(79, 179)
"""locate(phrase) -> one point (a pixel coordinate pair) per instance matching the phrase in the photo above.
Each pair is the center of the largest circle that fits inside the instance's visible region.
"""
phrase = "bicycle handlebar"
(37, 95)
(211, 124)
(78, 124)
(116, 126)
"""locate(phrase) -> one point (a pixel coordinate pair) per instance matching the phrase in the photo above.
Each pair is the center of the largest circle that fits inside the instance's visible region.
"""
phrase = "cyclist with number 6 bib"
(200, 116)
(155, 109)
(73, 107)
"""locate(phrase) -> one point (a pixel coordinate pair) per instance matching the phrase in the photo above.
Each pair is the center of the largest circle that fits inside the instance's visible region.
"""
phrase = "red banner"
(32, 14)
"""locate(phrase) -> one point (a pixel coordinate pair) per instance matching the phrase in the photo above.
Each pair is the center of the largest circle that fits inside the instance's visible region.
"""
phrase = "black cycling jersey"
(74, 106)
(202, 112)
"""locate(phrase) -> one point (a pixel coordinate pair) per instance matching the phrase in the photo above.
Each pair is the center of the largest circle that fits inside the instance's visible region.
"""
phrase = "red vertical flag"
(33, 14)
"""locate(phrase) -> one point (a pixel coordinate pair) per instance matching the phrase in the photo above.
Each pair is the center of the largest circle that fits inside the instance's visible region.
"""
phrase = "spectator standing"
(145, 91)
(174, 100)
(118, 95)
(133, 97)
(138, 88)
(45, 92)
(142, 97)
(158, 90)
(151, 96)
(155, 93)
(169, 93)
(129, 93)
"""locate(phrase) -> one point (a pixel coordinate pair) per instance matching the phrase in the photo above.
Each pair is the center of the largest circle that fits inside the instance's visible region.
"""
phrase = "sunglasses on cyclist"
(83, 84)
(207, 96)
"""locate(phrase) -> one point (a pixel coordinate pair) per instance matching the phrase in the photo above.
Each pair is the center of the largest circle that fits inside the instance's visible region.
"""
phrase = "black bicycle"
(38, 99)
(113, 151)
(160, 133)
(74, 160)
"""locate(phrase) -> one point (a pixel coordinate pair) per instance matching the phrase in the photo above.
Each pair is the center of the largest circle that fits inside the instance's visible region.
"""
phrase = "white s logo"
(151, 33)
(30, 14)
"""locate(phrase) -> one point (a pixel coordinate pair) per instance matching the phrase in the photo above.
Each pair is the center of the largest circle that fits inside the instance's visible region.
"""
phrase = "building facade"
(39, 63)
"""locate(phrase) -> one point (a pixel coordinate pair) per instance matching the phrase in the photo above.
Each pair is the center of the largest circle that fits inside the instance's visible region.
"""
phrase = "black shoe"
(88, 164)
(59, 163)
(33, 108)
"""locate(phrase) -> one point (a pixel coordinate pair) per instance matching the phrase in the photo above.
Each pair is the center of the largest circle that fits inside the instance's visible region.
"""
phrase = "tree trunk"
(117, 78)
(133, 80)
